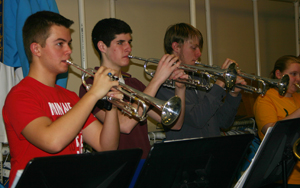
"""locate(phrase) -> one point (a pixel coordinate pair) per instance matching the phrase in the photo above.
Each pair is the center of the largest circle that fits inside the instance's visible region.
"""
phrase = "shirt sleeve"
(21, 108)
(264, 112)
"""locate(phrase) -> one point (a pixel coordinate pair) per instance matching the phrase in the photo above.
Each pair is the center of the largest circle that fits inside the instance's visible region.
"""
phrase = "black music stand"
(102, 169)
(274, 160)
(200, 162)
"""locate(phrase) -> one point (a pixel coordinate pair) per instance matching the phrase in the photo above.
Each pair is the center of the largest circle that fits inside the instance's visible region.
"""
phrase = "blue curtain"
(15, 14)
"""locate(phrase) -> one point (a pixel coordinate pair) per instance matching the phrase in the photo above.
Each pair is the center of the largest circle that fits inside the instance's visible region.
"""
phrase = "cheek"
(187, 54)
(292, 79)
(113, 53)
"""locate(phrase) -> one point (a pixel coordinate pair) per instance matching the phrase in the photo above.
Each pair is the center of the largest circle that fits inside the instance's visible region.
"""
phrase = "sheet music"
(243, 178)
(18, 175)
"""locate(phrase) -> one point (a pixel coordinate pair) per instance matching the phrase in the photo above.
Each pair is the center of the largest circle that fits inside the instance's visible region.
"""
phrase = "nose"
(198, 53)
(68, 50)
(128, 47)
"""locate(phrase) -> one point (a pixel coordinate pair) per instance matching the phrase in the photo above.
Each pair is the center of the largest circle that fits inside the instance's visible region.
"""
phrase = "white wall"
(232, 30)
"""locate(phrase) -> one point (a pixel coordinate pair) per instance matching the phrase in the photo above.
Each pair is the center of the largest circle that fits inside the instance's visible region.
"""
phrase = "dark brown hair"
(37, 27)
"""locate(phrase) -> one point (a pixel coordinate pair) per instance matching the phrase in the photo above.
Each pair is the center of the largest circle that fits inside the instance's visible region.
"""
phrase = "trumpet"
(170, 109)
(229, 75)
(295, 148)
(263, 83)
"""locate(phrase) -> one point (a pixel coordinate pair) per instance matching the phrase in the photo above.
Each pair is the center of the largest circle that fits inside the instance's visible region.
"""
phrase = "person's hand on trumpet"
(239, 80)
(179, 74)
(167, 64)
(103, 83)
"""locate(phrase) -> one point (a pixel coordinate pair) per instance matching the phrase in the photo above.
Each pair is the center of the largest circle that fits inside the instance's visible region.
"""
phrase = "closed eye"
(294, 74)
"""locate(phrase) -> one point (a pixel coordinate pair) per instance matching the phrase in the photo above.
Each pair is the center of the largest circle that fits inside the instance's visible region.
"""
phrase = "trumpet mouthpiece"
(67, 61)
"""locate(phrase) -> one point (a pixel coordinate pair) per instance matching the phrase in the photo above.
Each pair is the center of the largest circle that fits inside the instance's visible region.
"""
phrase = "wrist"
(181, 87)
(220, 83)
(154, 84)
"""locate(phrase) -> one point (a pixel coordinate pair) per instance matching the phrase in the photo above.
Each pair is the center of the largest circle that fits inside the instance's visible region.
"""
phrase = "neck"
(108, 64)
(42, 76)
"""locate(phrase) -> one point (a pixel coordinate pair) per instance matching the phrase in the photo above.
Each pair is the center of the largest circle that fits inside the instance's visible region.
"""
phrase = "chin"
(291, 91)
(64, 70)
(190, 63)
(125, 63)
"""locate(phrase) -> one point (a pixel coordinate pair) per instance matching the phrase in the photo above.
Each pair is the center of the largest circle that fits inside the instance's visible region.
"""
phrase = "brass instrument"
(229, 75)
(263, 83)
(170, 109)
(295, 148)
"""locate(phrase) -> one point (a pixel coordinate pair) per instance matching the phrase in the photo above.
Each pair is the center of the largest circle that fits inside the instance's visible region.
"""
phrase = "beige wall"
(232, 30)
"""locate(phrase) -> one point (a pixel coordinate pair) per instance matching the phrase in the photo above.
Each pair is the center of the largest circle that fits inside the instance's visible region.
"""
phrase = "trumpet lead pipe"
(88, 71)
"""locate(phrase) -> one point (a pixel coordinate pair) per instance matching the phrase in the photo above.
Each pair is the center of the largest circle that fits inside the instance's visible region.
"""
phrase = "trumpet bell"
(295, 148)
(283, 84)
(230, 76)
(171, 110)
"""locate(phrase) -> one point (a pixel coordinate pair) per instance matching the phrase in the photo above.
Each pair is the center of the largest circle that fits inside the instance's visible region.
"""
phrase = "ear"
(176, 47)
(278, 74)
(35, 49)
(101, 46)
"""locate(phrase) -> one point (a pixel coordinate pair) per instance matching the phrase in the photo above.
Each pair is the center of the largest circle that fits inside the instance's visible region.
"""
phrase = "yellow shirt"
(271, 108)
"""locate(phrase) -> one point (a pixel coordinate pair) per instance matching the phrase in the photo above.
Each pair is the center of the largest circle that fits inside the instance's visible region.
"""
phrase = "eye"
(195, 47)
(120, 42)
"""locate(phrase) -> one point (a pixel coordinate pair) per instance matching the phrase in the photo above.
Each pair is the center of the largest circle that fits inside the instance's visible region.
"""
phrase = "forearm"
(54, 136)
(265, 128)
(127, 123)
(110, 133)
(152, 87)
(76, 117)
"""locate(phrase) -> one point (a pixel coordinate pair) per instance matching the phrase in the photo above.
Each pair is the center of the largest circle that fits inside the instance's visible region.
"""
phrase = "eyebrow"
(64, 40)
(124, 40)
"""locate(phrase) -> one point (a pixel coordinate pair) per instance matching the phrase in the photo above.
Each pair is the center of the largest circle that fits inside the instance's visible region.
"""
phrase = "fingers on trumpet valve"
(171, 60)
(227, 62)
(115, 94)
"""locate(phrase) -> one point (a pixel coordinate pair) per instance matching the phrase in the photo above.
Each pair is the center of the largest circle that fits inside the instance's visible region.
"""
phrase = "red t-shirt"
(27, 101)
